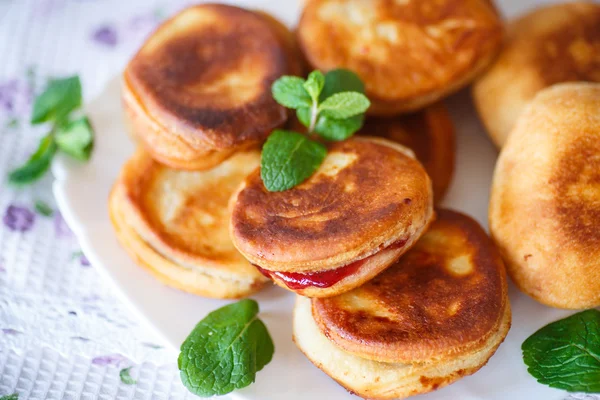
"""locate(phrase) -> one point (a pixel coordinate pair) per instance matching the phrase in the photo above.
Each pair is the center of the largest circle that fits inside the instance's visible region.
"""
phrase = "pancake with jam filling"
(199, 89)
(552, 44)
(409, 53)
(175, 224)
(366, 206)
(435, 316)
(429, 133)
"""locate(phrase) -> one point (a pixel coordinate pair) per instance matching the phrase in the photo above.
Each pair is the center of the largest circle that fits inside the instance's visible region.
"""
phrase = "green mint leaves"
(74, 137)
(566, 354)
(289, 158)
(125, 375)
(60, 98)
(14, 396)
(43, 208)
(225, 350)
(331, 106)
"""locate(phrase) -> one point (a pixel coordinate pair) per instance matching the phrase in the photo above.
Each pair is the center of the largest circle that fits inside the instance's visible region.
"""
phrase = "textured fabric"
(63, 334)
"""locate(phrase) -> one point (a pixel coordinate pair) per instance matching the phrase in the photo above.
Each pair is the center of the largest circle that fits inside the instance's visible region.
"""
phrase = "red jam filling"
(324, 279)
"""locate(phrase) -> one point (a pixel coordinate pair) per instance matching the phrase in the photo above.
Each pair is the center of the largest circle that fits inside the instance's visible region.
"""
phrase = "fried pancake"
(553, 44)
(453, 276)
(436, 315)
(545, 203)
(368, 196)
(175, 224)
(199, 89)
(409, 53)
(378, 380)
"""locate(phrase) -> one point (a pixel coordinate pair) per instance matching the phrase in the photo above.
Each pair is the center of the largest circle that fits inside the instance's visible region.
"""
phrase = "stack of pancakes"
(392, 301)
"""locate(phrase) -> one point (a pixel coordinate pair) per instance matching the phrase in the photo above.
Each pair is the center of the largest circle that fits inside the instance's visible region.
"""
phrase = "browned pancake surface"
(401, 49)
(367, 194)
(429, 133)
(442, 298)
(545, 201)
(207, 74)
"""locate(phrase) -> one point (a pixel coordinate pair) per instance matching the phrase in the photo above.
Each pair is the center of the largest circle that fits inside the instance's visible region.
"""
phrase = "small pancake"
(435, 316)
(409, 53)
(378, 380)
(201, 85)
(443, 298)
(175, 224)
(553, 44)
(545, 201)
(369, 194)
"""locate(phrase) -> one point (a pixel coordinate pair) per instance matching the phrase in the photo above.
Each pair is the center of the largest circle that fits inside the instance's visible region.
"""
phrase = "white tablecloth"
(63, 334)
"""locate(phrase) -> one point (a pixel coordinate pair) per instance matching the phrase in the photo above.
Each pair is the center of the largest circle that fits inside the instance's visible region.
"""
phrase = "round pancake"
(378, 380)
(367, 194)
(444, 298)
(553, 44)
(545, 202)
(409, 53)
(202, 83)
(175, 224)
(430, 134)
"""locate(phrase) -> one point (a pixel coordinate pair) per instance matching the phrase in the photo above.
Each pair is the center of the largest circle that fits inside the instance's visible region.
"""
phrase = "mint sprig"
(566, 354)
(73, 136)
(331, 106)
(225, 350)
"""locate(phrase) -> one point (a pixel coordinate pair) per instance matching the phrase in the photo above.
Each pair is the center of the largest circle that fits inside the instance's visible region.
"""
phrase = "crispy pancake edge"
(369, 336)
(368, 245)
(377, 380)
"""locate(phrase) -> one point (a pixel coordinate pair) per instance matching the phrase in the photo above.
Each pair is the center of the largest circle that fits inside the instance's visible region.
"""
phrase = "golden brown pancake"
(545, 201)
(409, 53)
(436, 315)
(175, 224)
(199, 89)
(364, 207)
(429, 133)
(553, 44)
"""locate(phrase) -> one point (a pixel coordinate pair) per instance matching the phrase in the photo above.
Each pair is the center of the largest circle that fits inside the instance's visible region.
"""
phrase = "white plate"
(82, 192)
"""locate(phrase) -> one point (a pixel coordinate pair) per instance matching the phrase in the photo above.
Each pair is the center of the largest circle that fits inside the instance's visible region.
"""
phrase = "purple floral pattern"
(106, 35)
(111, 359)
(61, 229)
(16, 96)
(19, 219)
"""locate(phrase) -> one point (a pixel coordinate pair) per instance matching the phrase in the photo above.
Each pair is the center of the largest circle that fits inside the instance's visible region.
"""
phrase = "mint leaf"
(43, 209)
(289, 91)
(341, 80)
(37, 164)
(125, 376)
(76, 138)
(314, 85)
(288, 159)
(225, 350)
(60, 98)
(566, 354)
(14, 396)
(344, 105)
(338, 129)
